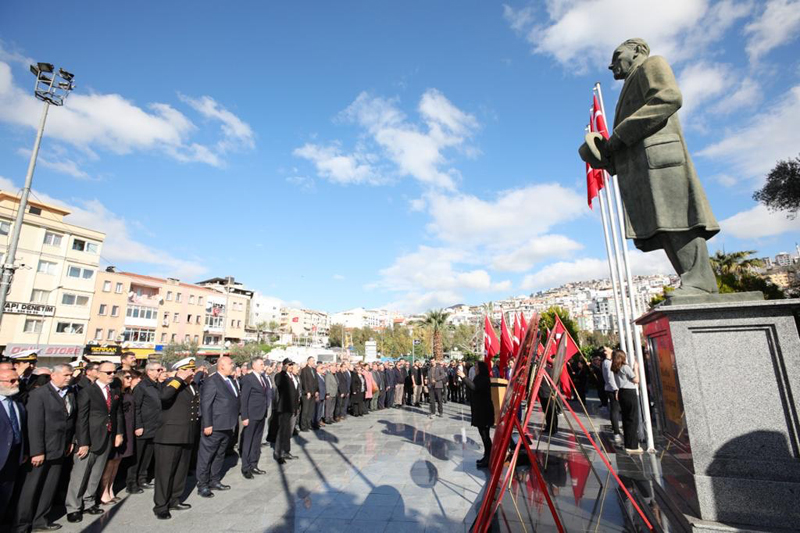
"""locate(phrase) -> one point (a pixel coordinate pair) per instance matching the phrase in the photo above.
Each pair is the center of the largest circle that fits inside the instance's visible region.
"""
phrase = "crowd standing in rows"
(71, 433)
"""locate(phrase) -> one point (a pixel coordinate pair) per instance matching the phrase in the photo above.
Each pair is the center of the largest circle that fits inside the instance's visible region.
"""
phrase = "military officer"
(24, 364)
(175, 438)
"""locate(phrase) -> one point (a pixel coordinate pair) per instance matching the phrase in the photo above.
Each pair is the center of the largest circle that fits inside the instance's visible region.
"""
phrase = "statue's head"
(627, 57)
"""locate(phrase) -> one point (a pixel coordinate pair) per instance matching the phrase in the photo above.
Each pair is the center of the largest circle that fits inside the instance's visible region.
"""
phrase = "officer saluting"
(174, 439)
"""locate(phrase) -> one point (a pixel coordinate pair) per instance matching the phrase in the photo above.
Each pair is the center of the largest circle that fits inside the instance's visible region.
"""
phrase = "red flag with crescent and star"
(491, 344)
(595, 178)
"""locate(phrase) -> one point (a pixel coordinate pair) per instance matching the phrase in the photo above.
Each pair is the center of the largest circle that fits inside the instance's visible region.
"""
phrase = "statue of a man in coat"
(665, 205)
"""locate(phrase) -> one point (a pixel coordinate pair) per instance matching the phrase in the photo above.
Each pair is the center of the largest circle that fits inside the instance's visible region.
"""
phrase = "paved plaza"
(389, 471)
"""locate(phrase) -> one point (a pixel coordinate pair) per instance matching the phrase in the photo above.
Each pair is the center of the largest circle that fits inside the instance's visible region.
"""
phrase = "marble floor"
(390, 471)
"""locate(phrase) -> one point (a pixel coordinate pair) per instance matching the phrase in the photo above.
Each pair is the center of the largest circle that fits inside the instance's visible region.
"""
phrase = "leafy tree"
(395, 341)
(655, 300)
(335, 334)
(462, 337)
(436, 320)
(736, 272)
(548, 320)
(781, 192)
(174, 352)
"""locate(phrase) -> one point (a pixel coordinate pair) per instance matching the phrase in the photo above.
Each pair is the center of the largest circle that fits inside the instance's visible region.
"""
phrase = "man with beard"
(12, 439)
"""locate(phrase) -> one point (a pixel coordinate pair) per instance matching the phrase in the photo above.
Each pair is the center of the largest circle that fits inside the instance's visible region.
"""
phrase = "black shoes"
(219, 486)
(257, 471)
(94, 510)
(204, 492)
(146, 485)
(163, 515)
(289, 456)
(74, 517)
(280, 460)
(134, 490)
(247, 474)
(180, 507)
(48, 527)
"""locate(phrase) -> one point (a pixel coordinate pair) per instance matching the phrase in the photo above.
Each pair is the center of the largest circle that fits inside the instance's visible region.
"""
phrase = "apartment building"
(306, 323)
(48, 306)
(230, 313)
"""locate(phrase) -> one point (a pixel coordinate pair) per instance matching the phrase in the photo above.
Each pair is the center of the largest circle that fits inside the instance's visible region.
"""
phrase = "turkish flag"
(523, 325)
(598, 123)
(560, 330)
(506, 346)
(491, 344)
(595, 179)
(517, 339)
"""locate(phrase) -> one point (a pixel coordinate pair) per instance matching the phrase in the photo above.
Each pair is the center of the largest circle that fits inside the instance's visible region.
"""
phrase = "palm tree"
(437, 320)
(734, 264)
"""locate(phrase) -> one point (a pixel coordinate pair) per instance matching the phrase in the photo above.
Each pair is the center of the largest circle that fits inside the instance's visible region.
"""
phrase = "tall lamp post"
(52, 88)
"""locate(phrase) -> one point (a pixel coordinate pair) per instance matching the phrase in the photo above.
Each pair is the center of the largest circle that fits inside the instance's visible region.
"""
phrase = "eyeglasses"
(107, 372)
(158, 369)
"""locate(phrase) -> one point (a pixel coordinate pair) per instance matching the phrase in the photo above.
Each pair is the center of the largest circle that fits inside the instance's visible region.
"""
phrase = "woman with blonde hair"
(626, 379)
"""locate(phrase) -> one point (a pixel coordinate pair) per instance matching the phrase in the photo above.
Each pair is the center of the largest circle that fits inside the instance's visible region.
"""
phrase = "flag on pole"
(491, 344)
(523, 325)
(506, 346)
(595, 178)
(517, 338)
(594, 182)
(598, 123)
(559, 330)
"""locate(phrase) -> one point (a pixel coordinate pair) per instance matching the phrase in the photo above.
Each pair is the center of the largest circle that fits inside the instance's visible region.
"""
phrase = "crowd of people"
(73, 434)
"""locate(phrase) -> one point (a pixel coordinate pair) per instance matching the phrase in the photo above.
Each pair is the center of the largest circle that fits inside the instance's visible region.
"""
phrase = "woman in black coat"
(482, 407)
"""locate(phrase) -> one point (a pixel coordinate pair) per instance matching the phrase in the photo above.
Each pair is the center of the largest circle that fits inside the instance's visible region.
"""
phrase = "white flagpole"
(645, 398)
(614, 283)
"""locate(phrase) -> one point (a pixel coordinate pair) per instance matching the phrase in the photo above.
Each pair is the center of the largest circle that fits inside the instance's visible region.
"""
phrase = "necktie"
(233, 387)
(108, 407)
(12, 416)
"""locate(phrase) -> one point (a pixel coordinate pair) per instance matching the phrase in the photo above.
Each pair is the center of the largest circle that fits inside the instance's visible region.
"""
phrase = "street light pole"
(50, 91)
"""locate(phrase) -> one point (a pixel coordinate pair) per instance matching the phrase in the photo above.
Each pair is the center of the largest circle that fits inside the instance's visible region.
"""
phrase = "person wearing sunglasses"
(99, 427)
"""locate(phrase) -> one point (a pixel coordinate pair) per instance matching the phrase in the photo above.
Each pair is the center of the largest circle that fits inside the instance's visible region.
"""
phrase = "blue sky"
(401, 154)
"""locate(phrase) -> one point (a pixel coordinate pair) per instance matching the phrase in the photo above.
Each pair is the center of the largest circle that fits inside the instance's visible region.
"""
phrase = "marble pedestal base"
(726, 388)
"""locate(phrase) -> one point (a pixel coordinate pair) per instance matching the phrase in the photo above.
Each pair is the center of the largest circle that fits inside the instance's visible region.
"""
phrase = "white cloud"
(396, 146)
(333, 165)
(778, 25)
(120, 245)
(514, 217)
(113, 123)
(338, 277)
(584, 269)
(767, 138)
(534, 251)
(304, 183)
(63, 165)
(759, 222)
(583, 33)
(701, 82)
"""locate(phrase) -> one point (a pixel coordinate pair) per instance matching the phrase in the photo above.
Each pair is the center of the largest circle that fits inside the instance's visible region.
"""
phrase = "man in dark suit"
(99, 426)
(174, 438)
(390, 380)
(219, 408)
(52, 410)
(437, 378)
(288, 403)
(322, 394)
(342, 394)
(310, 388)
(146, 420)
(12, 437)
(256, 397)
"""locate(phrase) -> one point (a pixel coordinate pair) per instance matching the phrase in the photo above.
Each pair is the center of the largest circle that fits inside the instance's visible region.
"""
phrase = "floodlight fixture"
(49, 88)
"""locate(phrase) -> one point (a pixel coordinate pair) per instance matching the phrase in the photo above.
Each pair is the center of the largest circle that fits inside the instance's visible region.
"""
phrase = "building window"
(233, 323)
(188, 319)
(147, 313)
(47, 267)
(176, 317)
(39, 296)
(74, 299)
(114, 310)
(98, 334)
(196, 339)
(186, 338)
(178, 297)
(238, 323)
(33, 210)
(197, 319)
(33, 325)
(5, 227)
(169, 296)
(85, 246)
(199, 300)
(112, 335)
(78, 272)
(106, 286)
(139, 335)
(174, 337)
(52, 239)
(118, 288)
(191, 299)
(163, 337)
(72, 328)
(102, 310)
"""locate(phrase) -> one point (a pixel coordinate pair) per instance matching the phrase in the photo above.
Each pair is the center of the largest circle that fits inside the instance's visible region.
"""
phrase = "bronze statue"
(665, 205)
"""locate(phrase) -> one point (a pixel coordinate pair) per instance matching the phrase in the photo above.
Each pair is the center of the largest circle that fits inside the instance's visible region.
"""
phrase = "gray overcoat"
(659, 186)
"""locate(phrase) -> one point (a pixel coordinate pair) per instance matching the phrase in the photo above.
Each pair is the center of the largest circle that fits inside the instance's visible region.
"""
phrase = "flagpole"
(645, 398)
(614, 283)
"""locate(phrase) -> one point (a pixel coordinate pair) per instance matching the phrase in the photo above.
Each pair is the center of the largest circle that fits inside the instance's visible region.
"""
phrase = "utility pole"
(52, 92)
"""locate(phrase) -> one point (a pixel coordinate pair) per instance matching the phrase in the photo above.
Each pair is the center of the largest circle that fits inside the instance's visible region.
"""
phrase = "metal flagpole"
(645, 397)
(614, 282)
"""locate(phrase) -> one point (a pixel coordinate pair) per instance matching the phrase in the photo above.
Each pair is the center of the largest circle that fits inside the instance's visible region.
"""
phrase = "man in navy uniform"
(174, 439)
(24, 364)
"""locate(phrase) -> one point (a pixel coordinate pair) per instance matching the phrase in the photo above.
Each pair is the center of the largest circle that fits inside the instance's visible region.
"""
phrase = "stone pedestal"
(725, 379)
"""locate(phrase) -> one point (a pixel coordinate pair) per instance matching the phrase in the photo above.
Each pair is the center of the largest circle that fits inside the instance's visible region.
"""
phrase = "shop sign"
(20, 308)
(45, 350)
(98, 350)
